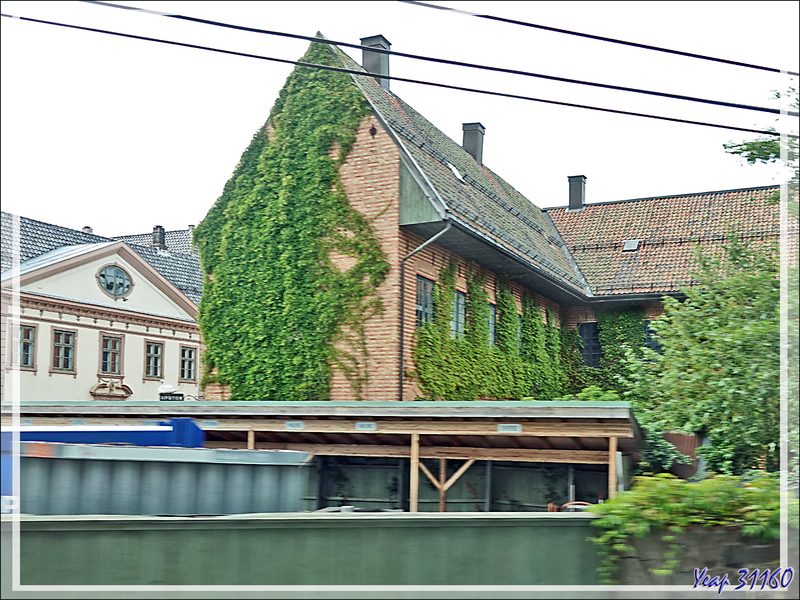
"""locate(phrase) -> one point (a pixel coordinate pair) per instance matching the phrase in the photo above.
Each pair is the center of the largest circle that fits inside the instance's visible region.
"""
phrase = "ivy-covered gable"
(275, 304)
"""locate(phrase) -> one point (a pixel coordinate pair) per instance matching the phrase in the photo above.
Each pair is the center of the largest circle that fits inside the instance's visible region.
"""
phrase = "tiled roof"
(483, 200)
(37, 238)
(176, 241)
(670, 228)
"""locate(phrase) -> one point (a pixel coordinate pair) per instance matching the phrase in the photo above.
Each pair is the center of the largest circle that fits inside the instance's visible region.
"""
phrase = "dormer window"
(114, 281)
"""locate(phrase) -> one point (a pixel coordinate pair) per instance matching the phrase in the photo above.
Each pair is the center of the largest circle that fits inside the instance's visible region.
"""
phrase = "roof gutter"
(401, 374)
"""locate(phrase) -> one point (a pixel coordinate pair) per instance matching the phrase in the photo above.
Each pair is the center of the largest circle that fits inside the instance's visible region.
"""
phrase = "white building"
(98, 321)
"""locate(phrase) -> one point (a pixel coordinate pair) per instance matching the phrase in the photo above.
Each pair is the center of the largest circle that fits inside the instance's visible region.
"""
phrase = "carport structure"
(519, 431)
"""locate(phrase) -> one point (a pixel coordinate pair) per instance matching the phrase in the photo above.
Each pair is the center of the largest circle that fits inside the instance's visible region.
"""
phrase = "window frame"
(424, 311)
(650, 339)
(458, 308)
(492, 323)
(126, 271)
(121, 338)
(161, 356)
(74, 332)
(15, 350)
(195, 363)
(592, 353)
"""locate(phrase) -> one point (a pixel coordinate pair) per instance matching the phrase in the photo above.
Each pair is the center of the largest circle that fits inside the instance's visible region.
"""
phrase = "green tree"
(767, 150)
(719, 374)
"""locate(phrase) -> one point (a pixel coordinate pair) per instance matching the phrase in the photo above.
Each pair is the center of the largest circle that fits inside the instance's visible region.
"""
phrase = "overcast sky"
(122, 134)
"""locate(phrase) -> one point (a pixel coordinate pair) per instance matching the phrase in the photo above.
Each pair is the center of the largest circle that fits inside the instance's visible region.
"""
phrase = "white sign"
(509, 428)
(294, 425)
(366, 426)
(209, 423)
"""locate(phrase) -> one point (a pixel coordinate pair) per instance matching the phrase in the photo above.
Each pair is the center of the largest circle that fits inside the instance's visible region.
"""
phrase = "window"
(651, 339)
(424, 301)
(492, 324)
(114, 281)
(591, 344)
(111, 355)
(458, 315)
(23, 346)
(153, 360)
(63, 351)
(188, 361)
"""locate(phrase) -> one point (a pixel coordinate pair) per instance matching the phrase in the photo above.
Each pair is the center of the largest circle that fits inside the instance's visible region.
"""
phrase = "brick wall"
(371, 179)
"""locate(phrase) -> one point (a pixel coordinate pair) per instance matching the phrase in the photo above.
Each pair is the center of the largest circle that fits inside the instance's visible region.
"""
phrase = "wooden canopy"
(555, 432)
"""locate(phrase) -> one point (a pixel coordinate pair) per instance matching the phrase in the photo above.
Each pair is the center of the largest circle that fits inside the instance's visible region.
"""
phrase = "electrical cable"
(602, 39)
(447, 61)
(404, 79)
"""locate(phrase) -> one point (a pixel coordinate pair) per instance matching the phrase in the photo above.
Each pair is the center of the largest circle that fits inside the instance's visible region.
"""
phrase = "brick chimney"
(376, 62)
(473, 141)
(159, 238)
(577, 192)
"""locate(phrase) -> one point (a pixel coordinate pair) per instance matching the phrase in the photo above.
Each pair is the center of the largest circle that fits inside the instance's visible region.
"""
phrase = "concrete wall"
(307, 549)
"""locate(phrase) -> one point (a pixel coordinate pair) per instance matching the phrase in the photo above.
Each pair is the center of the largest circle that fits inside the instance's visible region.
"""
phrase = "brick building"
(432, 201)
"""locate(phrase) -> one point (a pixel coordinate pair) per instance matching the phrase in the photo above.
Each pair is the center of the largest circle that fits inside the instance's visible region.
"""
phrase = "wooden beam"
(414, 484)
(442, 488)
(591, 457)
(251, 440)
(458, 474)
(612, 468)
(425, 470)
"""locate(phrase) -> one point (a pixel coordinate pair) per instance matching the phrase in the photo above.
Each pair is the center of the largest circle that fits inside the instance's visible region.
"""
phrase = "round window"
(114, 281)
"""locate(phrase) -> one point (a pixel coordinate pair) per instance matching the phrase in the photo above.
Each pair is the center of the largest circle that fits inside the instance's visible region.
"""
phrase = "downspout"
(403, 299)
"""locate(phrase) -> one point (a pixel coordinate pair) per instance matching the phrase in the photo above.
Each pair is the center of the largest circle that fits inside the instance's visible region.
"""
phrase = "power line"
(457, 63)
(602, 39)
(404, 79)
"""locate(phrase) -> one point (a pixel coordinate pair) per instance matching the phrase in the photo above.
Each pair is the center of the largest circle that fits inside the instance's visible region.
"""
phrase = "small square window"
(188, 363)
(631, 245)
(63, 350)
(153, 360)
(111, 355)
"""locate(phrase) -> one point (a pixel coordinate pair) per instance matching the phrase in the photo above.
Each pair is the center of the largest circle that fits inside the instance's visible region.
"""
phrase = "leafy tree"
(719, 374)
(767, 150)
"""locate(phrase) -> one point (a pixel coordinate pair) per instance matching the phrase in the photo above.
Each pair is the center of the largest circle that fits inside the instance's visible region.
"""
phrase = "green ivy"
(524, 361)
(277, 315)
(667, 506)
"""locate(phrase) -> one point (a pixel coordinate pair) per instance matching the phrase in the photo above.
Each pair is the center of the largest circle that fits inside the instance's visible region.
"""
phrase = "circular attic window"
(114, 281)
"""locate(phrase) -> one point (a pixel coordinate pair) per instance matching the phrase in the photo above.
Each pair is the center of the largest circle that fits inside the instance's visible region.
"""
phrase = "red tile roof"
(670, 228)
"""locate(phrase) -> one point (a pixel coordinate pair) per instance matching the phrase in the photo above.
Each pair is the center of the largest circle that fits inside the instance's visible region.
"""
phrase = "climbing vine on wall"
(277, 314)
(524, 360)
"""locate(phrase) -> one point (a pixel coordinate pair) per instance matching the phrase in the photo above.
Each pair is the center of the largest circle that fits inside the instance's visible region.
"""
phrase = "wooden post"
(487, 502)
(251, 440)
(442, 481)
(612, 468)
(414, 484)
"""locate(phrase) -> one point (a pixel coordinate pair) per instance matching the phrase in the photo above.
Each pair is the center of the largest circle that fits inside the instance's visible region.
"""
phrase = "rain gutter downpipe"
(403, 299)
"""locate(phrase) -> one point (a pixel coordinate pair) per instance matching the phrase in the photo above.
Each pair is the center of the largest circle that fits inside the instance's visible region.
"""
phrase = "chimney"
(473, 141)
(159, 238)
(577, 192)
(87, 229)
(376, 62)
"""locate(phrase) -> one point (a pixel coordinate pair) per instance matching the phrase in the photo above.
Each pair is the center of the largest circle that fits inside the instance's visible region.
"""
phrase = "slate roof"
(670, 228)
(52, 257)
(176, 241)
(483, 201)
(37, 238)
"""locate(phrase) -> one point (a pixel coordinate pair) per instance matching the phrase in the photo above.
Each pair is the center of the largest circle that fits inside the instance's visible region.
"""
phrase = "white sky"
(122, 135)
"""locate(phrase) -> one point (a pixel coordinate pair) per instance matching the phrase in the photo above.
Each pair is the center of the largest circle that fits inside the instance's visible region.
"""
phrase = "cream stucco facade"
(74, 341)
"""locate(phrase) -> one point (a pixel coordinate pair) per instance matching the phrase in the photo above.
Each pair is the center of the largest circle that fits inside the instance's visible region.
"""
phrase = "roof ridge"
(714, 192)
